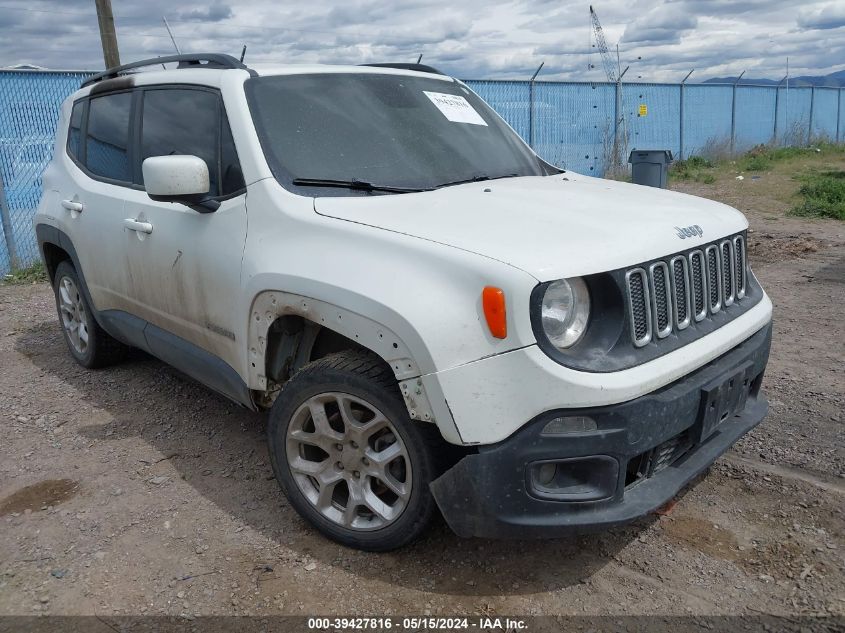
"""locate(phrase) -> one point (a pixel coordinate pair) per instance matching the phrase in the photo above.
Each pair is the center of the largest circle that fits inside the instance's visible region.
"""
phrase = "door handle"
(72, 205)
(140, 227)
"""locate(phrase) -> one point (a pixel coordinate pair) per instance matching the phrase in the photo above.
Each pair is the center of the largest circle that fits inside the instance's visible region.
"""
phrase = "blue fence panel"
(755, 116)
(573, 125)
(29, 110)
(793, 115)
(707, 119)
(825, 112)
(657, 124)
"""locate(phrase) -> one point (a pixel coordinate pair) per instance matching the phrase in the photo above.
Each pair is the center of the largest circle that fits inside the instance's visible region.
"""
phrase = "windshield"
(341, 134)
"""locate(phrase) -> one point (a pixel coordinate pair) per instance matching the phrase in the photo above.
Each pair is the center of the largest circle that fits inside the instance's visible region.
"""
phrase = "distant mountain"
(23, 67)
(836, 80)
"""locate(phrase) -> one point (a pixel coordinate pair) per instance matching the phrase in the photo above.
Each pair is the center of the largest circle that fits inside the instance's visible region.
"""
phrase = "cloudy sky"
(661, 41)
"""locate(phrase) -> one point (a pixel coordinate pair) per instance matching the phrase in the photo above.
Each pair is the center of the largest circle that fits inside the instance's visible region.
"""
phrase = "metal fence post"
(5, 216)
(839, 114)
(618, 117)
(617, 112)
(531, 114)
(531, 105)
(775, 129)
(777, 104)
(812, 106)
(681, 116)
(733, 113)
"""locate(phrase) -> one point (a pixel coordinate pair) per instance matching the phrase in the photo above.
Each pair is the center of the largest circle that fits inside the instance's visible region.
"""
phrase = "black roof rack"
(193, 60)
(421, 68)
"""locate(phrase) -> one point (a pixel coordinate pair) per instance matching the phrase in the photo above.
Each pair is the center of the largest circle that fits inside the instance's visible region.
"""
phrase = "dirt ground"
(133, 490)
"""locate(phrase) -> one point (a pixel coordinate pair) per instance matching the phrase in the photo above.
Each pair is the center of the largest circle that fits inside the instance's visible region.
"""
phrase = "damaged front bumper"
(621, 462)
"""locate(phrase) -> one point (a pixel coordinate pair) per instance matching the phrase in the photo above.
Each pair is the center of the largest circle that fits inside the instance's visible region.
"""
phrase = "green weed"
(823, 195)
(31, 274)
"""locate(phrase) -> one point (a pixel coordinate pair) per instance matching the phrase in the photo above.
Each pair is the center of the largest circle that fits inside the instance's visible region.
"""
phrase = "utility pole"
(107, 33)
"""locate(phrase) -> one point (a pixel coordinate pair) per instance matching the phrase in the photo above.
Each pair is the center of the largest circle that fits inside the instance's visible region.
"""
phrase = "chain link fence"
(29, 110)
(586, 127)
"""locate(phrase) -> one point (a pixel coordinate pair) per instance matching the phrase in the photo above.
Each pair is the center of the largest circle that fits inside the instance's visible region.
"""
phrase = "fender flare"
(48, 234)
(269, 305)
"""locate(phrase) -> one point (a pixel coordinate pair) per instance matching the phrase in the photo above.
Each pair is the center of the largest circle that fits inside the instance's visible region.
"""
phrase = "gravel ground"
(133, 491)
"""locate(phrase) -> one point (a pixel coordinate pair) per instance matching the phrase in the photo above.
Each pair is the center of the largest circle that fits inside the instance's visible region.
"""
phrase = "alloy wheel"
(73, 314)
(349, 461)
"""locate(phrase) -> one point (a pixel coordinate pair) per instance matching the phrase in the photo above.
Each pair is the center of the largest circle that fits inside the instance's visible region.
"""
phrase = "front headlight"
(565, 311)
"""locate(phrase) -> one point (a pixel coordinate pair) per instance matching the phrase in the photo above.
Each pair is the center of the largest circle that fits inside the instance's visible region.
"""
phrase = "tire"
(358, 393)
(87, 342)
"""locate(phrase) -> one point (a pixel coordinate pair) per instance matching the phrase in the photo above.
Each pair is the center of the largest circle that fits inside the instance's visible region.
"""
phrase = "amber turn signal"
(493, 300)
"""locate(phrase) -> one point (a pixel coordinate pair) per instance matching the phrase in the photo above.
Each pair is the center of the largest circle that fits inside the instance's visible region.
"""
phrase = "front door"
(186, 265)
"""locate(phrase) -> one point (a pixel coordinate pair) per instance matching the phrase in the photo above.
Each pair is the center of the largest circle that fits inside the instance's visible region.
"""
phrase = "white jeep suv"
(433, 315)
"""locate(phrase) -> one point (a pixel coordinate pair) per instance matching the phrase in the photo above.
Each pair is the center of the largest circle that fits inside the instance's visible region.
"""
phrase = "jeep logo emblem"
(689, 231)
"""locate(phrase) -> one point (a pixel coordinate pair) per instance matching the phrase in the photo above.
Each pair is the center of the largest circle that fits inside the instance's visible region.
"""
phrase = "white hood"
(550, 227)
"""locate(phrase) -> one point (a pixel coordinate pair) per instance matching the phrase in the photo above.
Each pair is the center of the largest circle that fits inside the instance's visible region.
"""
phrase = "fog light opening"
(575, 478)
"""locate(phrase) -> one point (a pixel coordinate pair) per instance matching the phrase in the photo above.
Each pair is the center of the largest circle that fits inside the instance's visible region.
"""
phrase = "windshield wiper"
(476, 178)
(360, 185)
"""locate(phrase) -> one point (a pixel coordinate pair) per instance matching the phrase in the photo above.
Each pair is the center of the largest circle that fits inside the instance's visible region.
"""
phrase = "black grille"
(727, 277)
(639, 312)
(739, 253)
(713, 277)
(667, 453)
(703, 282)
(697, 284)
(680, 290)
(661, 304)
(659, 458)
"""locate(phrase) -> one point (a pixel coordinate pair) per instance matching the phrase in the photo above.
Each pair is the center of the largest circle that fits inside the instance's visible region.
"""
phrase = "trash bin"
(650, 167)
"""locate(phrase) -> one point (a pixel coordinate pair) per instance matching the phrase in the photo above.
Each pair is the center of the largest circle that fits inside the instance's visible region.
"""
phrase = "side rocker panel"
(202, 366)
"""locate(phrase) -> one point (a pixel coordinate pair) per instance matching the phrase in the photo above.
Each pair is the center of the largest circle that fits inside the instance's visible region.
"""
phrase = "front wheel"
(348, 456)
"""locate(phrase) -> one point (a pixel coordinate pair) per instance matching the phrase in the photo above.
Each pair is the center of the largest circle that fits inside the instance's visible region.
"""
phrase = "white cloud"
(661, 41)
(831, 16)
(664, 24)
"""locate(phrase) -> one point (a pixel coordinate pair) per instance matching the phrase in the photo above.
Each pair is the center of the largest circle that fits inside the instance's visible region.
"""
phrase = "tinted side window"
(75, 129)
(232, 178)
(182, 121)
(107, 138)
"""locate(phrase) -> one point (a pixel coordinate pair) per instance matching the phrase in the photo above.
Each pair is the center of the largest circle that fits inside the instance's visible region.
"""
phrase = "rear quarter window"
(74, 134)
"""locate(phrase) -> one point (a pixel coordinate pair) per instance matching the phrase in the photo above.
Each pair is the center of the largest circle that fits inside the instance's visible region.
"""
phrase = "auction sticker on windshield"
(455, 108)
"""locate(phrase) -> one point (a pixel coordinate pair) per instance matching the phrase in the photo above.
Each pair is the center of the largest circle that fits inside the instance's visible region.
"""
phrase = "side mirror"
(179, 178)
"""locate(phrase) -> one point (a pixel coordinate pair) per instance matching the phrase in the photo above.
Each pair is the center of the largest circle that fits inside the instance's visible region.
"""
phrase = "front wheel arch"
(270, 308)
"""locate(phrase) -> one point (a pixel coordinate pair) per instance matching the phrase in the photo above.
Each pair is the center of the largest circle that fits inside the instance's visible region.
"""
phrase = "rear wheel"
(87, 342)
(348, 456)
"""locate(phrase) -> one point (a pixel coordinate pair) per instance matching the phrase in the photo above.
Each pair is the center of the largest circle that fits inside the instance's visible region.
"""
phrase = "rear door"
(90, 202)
(186, 270)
